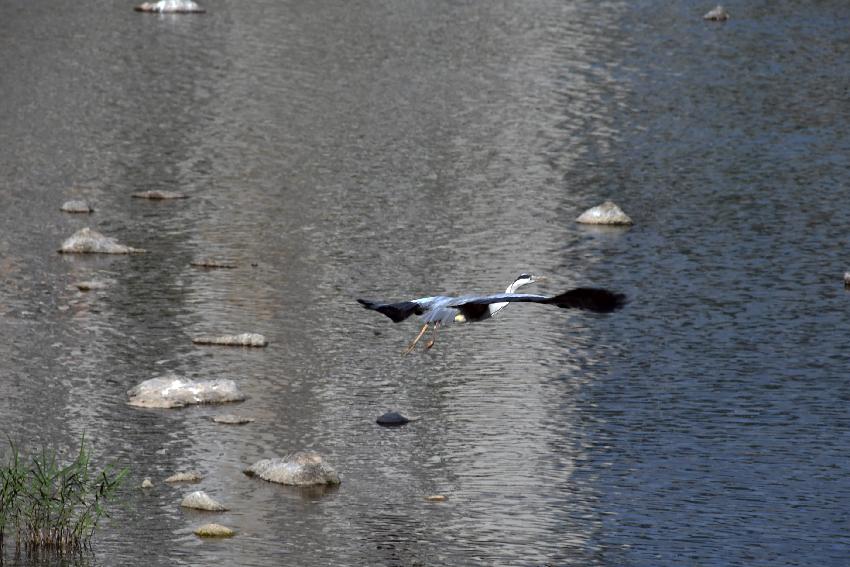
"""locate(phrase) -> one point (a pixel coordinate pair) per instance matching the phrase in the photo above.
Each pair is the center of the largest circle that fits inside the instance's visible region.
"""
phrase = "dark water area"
(391, 150)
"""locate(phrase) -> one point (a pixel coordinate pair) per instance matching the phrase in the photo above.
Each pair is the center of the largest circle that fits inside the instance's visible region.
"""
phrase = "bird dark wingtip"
(593, 299)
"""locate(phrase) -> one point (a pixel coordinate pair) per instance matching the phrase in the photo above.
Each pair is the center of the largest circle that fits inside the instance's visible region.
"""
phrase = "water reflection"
(403, 149)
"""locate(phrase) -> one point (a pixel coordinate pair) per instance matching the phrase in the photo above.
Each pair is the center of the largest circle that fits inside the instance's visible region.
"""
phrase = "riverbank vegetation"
(44, 504)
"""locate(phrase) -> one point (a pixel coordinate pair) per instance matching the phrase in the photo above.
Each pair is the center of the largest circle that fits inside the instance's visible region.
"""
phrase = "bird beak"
(539, 279)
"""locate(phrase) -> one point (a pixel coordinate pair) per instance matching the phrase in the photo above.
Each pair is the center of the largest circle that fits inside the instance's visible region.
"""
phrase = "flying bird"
(443, 310)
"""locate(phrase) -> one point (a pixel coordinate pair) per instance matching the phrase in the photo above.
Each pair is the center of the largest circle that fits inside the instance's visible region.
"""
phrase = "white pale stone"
(88, 241)
(606, 213)
(304, 468)
(200, 500)
(174, 392)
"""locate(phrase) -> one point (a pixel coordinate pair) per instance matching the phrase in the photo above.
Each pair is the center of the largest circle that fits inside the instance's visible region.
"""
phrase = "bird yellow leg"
(416, 340)
(430, 343)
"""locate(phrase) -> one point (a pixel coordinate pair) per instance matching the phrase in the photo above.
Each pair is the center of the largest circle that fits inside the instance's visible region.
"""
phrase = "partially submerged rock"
(159, 195)
(716, 14)
(245, 339)
(212, 263)
(392, 419)
(436, 498)
(76, 206)
(232, 419)
(170, 7)
(146, 483)
(214, 530)
(191, 476)
(846, 279)
(606, 213)
(200, 500)
(303, 468)
(90, 285)
(88, 241)
(173, 392)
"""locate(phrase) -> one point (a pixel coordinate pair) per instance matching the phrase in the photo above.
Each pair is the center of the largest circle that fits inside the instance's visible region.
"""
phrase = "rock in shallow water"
(90, 285)
(232, 419)
(213, 263)
(159, 195)
(170, 7)
(200, 500)
(717, 14)
(304, 468)
(190, 476)
(214, 530)
(173, 392)
(245, 339)
(392, 419)
(606, 213)
(88, 241)
(76, 206)
(146, 483)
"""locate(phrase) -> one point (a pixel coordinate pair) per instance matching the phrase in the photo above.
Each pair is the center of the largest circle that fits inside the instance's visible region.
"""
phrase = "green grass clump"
(45, 504)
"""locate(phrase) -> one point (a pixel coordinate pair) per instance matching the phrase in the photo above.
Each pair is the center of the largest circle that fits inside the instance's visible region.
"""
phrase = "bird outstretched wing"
(396, 311)
(589, 298)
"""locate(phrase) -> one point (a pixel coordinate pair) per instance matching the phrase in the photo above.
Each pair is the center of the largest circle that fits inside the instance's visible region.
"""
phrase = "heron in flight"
(444, 310)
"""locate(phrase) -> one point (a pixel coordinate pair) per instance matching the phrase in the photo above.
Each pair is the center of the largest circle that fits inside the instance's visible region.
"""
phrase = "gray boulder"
(244, 339)
(606, 213)
(159, 195)
(174, 392)
(200, 500)
(191, 476)
(88, 241)
(232, 419)
(170, 7)
(76, 206)
(303, 468)
(716, 14)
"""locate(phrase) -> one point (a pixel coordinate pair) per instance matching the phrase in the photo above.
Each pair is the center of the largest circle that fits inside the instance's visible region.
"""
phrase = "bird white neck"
(513, 287)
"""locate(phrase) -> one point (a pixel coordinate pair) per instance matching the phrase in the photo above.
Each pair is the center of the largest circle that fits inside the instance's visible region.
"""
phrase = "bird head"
(523, 279)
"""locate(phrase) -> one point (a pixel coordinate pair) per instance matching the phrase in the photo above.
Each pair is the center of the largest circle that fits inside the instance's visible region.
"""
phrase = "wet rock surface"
(191, 476)
(212, 263)
(716, 14)
(159, 195)
(606, 213)
(91, 285)
(174, 392)
(88, 241)
(200, 500)
(146, 483)
(303, 468)
(170, 7)
(233, 419)
(76, 206)
(244, 339)
(214, 530)
(392, 419)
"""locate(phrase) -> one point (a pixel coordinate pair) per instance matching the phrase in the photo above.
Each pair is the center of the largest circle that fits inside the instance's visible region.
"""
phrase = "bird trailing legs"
(430, 343)
(416, 340)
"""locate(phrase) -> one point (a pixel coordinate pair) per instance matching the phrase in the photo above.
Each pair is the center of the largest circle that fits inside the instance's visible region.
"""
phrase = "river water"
(390, 150)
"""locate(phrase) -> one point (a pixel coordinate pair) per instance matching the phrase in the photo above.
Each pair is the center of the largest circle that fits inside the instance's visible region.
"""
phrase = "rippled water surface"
(337, 150)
